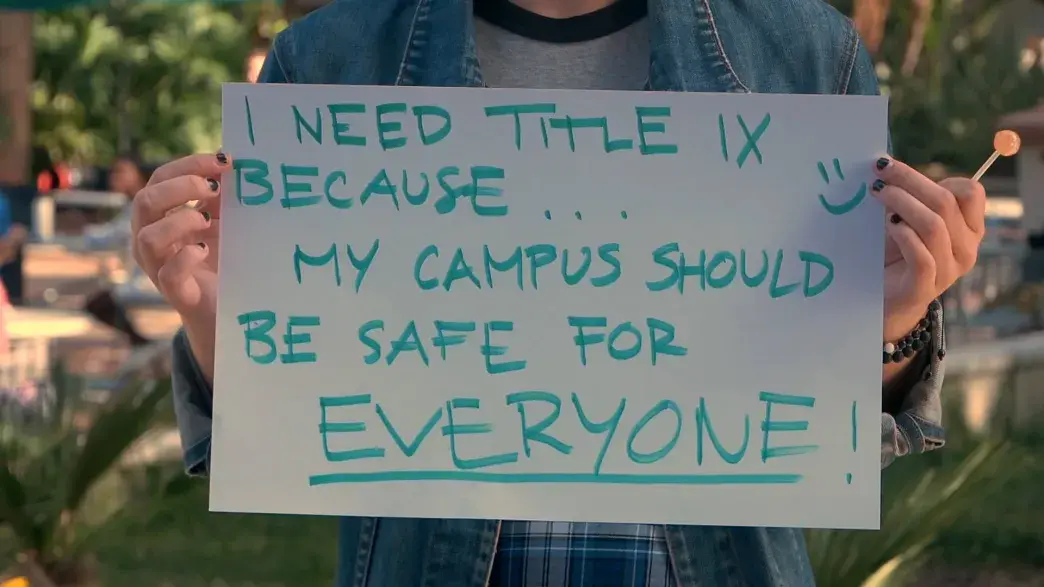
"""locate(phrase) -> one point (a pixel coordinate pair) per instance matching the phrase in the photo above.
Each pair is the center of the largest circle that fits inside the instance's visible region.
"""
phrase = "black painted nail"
(895, 219)
(883, 162)
(202, 245)
(213, 184)
(878, 185)
(206, 215)
(222, 158)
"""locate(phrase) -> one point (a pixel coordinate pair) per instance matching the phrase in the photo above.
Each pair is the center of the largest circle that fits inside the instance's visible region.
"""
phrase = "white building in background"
(1025, 18)
(1030, 164)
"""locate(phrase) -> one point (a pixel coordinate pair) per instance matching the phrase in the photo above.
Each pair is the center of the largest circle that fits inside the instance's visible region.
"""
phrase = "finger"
(211, 206)
(971, 199)
(210, 233)
(157, 201)
(174, 279)
(960, 242)
(204, 165)
(928, 225)
(156, 243)
(921, 275)
(892, 252)
(933, 195)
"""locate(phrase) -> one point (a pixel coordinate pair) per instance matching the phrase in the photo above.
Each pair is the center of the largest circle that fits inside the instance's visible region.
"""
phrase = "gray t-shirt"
(619, 61)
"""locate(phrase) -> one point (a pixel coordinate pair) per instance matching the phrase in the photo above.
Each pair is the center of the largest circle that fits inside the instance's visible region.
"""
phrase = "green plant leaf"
(67, 388)
(13, 508)
(920, 503)
(116, 428)
(47, 465)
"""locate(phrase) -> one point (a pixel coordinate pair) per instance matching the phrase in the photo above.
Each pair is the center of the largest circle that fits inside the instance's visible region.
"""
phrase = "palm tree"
(47, 473)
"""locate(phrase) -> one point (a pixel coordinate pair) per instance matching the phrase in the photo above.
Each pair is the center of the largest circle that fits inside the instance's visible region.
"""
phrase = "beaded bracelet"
(917, 339)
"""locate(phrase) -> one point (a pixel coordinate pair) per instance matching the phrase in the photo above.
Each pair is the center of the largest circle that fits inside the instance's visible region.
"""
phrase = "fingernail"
(878, 185)
(222, 158)
(895, 219)
(202, 245)
(213, 184)
(883, 162)
(206, 215)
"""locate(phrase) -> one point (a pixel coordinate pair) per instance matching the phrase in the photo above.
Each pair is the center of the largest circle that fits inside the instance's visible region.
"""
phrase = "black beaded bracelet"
(917, 339)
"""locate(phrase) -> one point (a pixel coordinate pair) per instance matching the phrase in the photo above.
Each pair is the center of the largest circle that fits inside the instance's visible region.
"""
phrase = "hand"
(934, 231)
(176, 245)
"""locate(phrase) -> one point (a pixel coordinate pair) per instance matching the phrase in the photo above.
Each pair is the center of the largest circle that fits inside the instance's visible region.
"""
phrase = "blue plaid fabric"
(567, 554)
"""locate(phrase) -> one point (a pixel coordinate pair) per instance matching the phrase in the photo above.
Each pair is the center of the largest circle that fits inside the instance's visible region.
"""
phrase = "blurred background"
(95, 95)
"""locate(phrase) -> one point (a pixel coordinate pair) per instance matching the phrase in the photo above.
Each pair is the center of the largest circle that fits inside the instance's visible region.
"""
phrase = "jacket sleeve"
(911, 418)
(193, 407)
(911, 422)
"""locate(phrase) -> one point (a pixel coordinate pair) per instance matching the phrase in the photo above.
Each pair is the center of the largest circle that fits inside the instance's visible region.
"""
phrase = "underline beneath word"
(577, 478)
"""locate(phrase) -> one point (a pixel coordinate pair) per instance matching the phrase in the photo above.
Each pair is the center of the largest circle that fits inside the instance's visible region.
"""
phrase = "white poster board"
(556, 305)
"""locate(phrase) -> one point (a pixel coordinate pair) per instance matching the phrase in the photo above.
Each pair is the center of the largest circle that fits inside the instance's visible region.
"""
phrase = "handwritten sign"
(559, 305)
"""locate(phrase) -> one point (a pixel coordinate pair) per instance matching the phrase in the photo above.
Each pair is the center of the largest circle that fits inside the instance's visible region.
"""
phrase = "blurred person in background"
(12, 237)
(12, 234)
(797, 47)
(127, 176)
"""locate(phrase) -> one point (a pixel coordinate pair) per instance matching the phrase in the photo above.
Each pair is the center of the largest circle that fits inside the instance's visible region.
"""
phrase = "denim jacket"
(786, 46)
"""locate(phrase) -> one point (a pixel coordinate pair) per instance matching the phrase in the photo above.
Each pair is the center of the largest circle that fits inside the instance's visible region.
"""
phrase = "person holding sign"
(764, 46)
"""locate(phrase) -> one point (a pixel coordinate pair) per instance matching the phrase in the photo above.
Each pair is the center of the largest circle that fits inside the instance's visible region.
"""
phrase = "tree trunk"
(918, 30)
(16, 63)
(870, 17)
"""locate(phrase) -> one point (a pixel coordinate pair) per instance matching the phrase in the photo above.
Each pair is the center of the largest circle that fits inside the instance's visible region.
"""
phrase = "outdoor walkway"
(995, 355)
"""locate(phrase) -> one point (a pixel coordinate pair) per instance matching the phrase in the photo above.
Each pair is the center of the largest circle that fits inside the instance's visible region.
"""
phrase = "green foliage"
(968, 73)
(976, 502)
(129, 74)
(230, 550)
(920, 505)
(947, 111)
(1006, 529)
(148, 74)
(46, 474)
